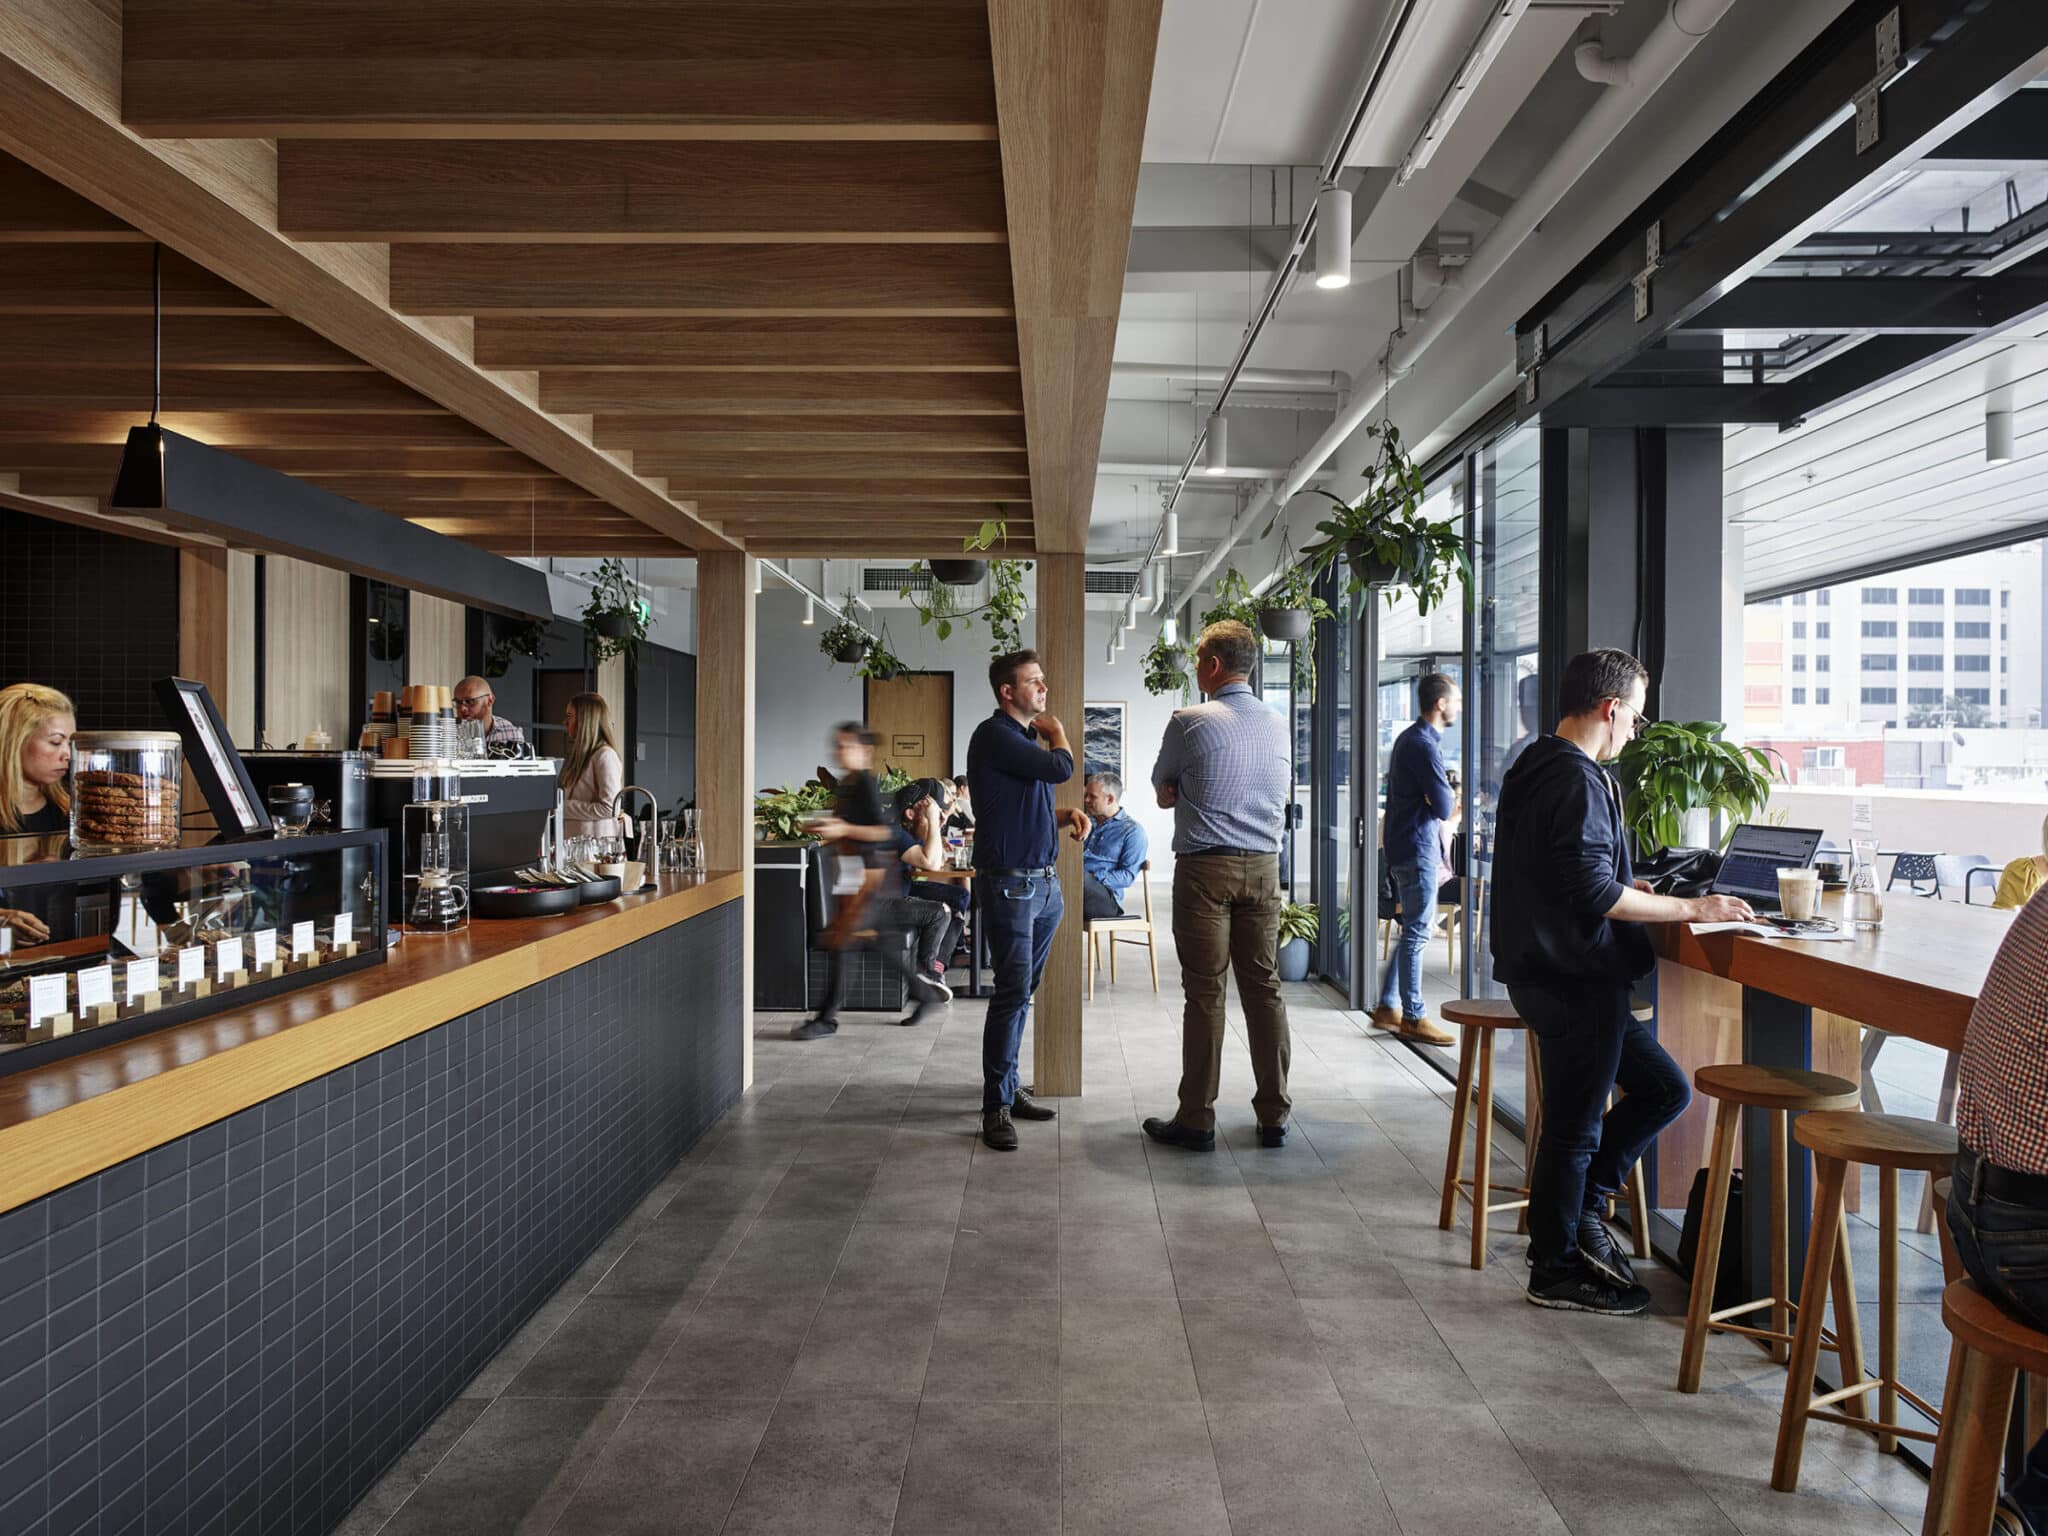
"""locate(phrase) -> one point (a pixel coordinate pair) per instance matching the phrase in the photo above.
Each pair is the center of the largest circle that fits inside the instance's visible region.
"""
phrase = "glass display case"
(98, 948)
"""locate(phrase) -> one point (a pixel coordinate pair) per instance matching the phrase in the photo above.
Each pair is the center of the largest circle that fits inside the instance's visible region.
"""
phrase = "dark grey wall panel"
(239, 1331)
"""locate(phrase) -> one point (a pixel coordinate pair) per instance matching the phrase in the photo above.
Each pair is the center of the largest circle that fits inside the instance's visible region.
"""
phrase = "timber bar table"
(1802, 1004)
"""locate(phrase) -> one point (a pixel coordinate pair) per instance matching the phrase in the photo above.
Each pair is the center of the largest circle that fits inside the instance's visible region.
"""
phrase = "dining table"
(977, 954)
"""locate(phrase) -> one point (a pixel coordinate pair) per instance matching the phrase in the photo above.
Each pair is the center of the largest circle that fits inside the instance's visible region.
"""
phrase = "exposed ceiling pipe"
(781, 574)
(1249, 378)
(1669, 44)
(1598, 65)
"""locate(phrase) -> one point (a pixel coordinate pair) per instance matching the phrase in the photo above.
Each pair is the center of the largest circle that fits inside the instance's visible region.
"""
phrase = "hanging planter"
(1287, 624)
(958, 573)
(615, 617)
(613, 626)
(1385, 540)
(846, 642)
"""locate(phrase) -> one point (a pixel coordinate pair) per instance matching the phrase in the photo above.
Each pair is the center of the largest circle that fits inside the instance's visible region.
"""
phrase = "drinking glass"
(1866, 899)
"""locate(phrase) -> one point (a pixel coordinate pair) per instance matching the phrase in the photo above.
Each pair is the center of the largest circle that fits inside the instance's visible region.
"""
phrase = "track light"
(1131, 615)
(760, 576)
(1216, 445)
(1170, 545)
(810, 609)
(1170, 631)
(1109, 652)
(1998, 437)
(1118, 640)
(1333, 237)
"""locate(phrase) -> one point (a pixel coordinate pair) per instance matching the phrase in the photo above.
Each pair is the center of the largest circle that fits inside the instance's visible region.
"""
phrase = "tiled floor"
(841, 1315)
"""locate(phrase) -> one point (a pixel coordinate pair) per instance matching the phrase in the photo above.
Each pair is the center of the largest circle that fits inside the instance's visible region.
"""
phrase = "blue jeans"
(2003, 1243)
(1019, 914)
(1591, 1044)
(1416, 885)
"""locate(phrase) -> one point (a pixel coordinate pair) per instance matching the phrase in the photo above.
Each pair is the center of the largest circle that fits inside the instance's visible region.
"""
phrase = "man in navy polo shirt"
(1418, 797)
(1013, 760)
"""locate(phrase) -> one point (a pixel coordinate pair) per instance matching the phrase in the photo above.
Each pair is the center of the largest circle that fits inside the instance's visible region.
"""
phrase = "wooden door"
(913, 714)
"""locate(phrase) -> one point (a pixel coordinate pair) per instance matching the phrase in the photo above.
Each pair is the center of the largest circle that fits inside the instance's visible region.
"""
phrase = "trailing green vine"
(1169, 668)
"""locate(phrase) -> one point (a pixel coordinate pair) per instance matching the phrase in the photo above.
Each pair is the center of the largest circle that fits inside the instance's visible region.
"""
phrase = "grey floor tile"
(1483, 1487)
(669, 1469)
(990, 1468)
(1114, 1259)
(1384, 1354)
(674, 1258)
(609, 1346)
(1124, 1351)
(1255, 1351)
(1138, 1474)
(1638, 1481)
(916, 1191)
(784, 1259)
(821, 1191)
(995, 1350)
(735, 1347)
(503, 1468)
(1007, 1258)
(894, 1259)
(1297, 1467)
(1333, 1258)
(867, 1347)
(1225, 1264)
(826, 1465)
(405, 1475)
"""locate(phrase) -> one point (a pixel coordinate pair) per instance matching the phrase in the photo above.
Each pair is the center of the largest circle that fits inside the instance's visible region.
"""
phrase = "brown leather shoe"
(1388, 1019)
(1424, 1032)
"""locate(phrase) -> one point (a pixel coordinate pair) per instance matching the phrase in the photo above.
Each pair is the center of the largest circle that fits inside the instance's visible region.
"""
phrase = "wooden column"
(1062, 630)
(725, 739)
(204, 639)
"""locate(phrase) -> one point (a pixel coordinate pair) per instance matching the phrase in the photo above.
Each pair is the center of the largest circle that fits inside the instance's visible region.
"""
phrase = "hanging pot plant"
(1383, 538)
(939, 605)
(882, 664)
(615, 617)
(1290, 611)
(958, 573)
(1284, 624)
(1234, 600)
(965, 573)
(1168, 667)
(846, 642)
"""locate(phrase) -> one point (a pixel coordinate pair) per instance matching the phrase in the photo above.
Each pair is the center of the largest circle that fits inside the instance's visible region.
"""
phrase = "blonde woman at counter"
(36, 726)
(2018, 881)
(593, 773)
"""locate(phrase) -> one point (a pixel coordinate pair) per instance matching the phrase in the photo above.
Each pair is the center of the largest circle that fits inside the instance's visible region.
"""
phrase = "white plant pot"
(1698, 831)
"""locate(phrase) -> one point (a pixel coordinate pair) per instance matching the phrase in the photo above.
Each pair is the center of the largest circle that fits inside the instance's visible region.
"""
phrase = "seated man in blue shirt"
(1114, 850)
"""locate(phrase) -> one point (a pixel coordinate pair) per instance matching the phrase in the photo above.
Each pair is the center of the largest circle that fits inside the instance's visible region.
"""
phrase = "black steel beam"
(1669, 405)
(1873, 305)
(1998, 48)
(1861, 369)
(2015, 132)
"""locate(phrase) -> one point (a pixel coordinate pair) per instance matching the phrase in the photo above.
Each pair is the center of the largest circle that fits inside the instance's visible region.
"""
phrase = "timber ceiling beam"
(1072, 79)
(832, 471)
(246, 342)
(762, 341)
(879, 435)
(843, 394)
(108, 387)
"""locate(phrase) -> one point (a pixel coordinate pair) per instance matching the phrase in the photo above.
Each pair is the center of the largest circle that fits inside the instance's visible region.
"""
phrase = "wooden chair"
(1888, 1143)
(1780, 1092)
(1989, 1347)
(1479, 1018)
(1116, 928)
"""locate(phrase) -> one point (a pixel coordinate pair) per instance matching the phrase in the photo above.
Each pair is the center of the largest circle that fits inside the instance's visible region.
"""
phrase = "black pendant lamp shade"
(188, 484)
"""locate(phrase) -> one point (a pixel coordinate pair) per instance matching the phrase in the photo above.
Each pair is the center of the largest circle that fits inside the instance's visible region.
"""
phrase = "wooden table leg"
(1813, 1292)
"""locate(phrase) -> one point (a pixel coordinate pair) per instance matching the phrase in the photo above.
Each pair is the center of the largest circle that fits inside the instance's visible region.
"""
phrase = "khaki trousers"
(1226, 917)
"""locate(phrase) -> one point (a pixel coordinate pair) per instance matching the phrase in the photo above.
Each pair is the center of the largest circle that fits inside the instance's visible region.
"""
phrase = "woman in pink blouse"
(592, 770)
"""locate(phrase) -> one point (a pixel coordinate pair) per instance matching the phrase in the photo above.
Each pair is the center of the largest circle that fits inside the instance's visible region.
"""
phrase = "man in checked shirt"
(1998, 1199)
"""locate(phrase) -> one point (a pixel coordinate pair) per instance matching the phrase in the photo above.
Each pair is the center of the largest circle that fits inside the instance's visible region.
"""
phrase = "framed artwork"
(1102, 738)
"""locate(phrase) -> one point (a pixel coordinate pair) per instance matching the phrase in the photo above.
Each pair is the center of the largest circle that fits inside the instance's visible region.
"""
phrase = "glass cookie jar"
(125, 788)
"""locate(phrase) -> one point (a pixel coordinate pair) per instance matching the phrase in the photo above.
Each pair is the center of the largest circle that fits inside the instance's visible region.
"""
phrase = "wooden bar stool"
(1780, 1092)
(1889, 1143)
(1989, 1348)
(1479, 1018)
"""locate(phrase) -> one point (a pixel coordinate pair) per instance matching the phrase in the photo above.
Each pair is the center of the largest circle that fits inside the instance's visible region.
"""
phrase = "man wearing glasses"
(1567, 942)
(473, 701)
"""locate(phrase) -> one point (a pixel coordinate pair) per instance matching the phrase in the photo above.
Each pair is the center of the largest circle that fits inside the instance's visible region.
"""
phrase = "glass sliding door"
(1330, 818)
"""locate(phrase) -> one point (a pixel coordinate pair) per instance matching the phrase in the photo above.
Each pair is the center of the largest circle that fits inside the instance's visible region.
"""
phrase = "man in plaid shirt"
(1998, 1199)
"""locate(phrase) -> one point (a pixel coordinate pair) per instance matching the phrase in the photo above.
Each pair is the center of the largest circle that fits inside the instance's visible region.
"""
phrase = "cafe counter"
(248, 1258)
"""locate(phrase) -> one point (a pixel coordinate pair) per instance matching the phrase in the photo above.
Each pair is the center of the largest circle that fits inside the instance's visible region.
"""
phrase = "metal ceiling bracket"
(1653, 258)
(1869, 98)
(1530, 348)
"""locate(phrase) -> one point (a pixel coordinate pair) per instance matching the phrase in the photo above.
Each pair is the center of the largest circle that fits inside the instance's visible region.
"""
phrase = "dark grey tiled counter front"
(237, 1332)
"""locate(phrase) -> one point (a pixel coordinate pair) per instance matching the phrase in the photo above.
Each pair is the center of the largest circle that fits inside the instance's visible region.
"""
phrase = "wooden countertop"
(62, 1122)
(1918, 975)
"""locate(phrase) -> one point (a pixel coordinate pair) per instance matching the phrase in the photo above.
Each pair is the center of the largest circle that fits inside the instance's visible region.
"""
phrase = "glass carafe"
(1866, 898)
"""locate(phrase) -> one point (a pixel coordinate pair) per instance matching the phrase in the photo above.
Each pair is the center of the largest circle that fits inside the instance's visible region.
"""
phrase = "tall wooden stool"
(1889, 1143)
(1479, 1018)
(1780, 1092)
(1989, 1348)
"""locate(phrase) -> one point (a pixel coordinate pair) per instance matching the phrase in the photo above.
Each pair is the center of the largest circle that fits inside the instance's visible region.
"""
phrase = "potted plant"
(1298, 928)
(779, 814)
(1290, 611)
(881, 664)
(1234, 600)
(965, 573)
(1677, 773)
(1383, 538)
(615, 617)
(846, 642)
(1168, 667)
(939, 605)
(509, 638)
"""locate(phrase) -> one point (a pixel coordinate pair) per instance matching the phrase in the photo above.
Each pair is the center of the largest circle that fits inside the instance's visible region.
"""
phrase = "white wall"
(801, 695)
(1922, 820)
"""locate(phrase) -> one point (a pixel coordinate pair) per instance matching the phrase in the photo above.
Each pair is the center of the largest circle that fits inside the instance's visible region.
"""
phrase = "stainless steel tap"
(647, 823)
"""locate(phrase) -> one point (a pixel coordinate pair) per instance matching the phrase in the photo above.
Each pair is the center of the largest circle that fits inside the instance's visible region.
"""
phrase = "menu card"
(47, 996)
(344, 928)
(264, 943)
(142, 978)
(96, 987)
(227, 958)
(302, 939)
(191, 966)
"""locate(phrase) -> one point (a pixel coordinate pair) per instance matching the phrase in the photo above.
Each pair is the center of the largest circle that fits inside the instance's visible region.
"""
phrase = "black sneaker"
(1272, 1135)
(929, 989)
(1024, 1107)
(916, 1015)
(1174, 1134)
(997, 1131)
(1600, 1250)
(1580, 1288)
(815, 1029)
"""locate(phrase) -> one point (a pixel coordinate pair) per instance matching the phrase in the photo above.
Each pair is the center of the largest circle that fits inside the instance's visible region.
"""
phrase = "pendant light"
(1170, 631)
(1998, 437)
(1216, 445)
(141, 480)
(1333, 237)
(1170, 545)
(760, 576)
(810, 609)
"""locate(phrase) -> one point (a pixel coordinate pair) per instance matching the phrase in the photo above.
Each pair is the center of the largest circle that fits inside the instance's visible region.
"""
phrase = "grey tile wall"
(240, 1330)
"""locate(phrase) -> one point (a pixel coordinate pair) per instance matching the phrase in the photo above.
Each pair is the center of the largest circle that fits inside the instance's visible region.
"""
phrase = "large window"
(1880, 629)
(1927, 629)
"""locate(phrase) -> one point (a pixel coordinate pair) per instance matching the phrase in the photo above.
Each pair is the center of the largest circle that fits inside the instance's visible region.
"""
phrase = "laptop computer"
(1755, 855)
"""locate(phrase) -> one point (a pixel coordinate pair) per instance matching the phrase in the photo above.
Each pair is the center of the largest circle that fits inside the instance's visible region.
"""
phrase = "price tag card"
(302, 939)
(227, 958)
(344, 928)
(96, 987)
(191, 966)
(142, 978)
(264, 944)
(48, 997)
(1862, 816)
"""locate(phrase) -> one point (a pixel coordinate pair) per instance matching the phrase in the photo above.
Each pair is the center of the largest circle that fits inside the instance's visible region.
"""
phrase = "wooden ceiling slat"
(794, 471)
(623, 191)
(857, 547)
(240, 430)
(473, 279)
(35, 208)
(797, 492)
(851, 341)
(662, 68)
(50, 279)
(103, 387)
(254, 343)
(376, 489)
(520, 512)
(799, 434)
(841, 394)
(878, 511)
